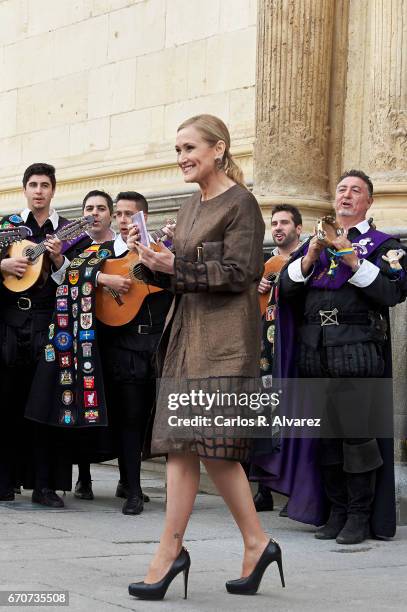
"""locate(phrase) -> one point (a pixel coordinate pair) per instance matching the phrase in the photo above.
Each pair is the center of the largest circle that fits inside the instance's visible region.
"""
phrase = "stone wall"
(98, 87)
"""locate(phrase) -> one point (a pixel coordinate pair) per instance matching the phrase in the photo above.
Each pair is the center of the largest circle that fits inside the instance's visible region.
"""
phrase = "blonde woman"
(214, 333)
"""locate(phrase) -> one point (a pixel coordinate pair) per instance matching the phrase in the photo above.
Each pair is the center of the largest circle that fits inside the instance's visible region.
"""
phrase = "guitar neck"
(65, 233)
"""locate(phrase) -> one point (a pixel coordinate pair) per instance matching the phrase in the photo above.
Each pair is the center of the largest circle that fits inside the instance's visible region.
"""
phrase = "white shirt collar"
(119, 246)
(53, 216)
(363, 226)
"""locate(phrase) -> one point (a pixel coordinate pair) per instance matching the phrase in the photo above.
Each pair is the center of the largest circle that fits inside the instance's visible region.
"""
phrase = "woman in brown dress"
(213, 335)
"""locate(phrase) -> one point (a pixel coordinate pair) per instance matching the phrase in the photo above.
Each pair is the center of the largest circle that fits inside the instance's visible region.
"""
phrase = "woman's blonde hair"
(212, 130)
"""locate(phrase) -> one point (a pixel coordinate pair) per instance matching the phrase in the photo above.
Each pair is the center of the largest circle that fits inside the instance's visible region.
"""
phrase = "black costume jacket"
(24, 320)
(362, 325)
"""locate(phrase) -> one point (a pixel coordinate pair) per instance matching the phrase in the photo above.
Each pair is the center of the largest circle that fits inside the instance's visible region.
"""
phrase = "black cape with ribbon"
(294, 470)
(68, 388)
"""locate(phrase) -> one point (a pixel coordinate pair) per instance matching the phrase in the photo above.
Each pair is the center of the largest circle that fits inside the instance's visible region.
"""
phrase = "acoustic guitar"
(114, 309)
(8, 236)
(37, 267)
(272, 268)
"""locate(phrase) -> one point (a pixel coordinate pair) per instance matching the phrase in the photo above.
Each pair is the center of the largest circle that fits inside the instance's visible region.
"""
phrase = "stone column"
(292, 104)
(387, 163)
(386, 151)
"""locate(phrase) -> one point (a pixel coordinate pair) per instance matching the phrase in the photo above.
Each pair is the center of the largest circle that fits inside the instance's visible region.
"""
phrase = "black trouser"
(28, 454)
(345, 459)
(130, 393)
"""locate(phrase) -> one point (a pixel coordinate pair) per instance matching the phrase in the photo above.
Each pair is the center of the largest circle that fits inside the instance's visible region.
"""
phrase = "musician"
(24, 320)
(286, 227)
(343, 333)
(127, 354)
(99, 204)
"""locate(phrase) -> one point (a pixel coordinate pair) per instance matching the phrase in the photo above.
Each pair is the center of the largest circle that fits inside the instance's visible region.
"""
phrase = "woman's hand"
(161, 261)
(133, 237)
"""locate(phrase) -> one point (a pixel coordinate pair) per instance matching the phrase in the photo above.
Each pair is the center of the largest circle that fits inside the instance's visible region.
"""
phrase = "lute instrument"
(272, 269)
(37, 267)
(114, 309)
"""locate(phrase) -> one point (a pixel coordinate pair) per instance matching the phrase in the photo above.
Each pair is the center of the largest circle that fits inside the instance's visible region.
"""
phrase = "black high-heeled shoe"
(250, 584)
(157, 590)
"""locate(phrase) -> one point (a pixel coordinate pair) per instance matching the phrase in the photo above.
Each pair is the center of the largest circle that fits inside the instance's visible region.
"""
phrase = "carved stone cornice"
(160, 180)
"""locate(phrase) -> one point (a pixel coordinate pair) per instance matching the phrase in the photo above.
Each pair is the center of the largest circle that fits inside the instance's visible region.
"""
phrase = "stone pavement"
(92, 550)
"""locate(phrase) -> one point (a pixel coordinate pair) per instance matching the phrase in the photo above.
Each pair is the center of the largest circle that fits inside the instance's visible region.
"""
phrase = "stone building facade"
(308, 88)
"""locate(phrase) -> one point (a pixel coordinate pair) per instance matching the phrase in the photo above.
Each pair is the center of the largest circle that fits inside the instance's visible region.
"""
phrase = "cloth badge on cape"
(74, 293)
(76, 263)
(75, 329)
(270, 313)
(62, 320)
(92, 416)
(62, 290)
(87, 288)
(103, 253)
(66, 417)
(87, 349)
(62, 304)
(85, 254)
(88, 272)
(65, 360)
(49, 353)
(63, 341)
(65, 377)
(75, 310)
(7, 225)
(88, 334)
(87, 367)
(16, 219)
(88, 382)
(264, 363)
(270, 334)
(73, 276)
(93, 261)
(67, 397)
(86, 320)
(90, 399)
(51, 331)
(86, 304)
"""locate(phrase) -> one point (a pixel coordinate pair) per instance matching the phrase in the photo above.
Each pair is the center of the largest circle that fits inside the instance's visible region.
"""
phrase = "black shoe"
(263, 502)
(333, 527)
(47, 497)
(122, 490)
(157, 590)
(250, 584)
(83, 490)
(133, 505)
(7, 496)
(284, 512)
(355, 531)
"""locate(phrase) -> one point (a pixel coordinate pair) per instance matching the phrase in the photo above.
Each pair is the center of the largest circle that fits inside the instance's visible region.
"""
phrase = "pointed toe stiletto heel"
(250, 584)
(157, 590)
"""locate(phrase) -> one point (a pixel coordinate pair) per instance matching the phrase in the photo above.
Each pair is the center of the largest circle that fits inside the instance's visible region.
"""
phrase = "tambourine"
(328, 229)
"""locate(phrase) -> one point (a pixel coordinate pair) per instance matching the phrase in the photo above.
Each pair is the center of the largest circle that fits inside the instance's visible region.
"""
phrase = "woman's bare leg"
(182, 487)
(231, 482)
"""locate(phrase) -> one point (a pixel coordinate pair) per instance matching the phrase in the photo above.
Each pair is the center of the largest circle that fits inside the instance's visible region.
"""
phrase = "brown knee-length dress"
(213, 333)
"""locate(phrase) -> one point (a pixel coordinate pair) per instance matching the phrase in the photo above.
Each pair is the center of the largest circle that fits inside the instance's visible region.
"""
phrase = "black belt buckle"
(24, 303)
(329, 317)
(143, 329)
